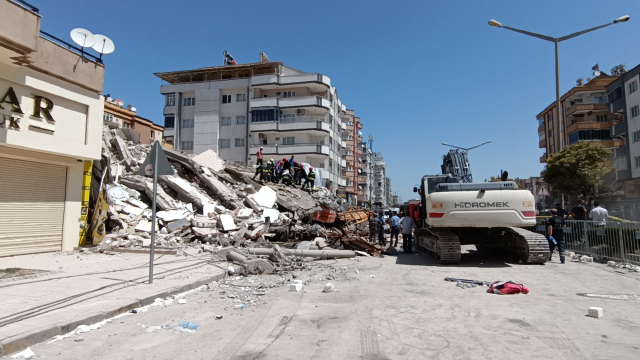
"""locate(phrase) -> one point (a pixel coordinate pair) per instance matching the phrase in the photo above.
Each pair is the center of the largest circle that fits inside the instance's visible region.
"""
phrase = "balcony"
(344, 144)
(542, 144)
(543, 158)
(619, 129)
(297, 149)
(590, 125)
(298, 123)
(617, 106)
(294, 102)
(344, 163)
(274, 80)
(348, 174)
(359, 126)
(613, 143)
(585, 108)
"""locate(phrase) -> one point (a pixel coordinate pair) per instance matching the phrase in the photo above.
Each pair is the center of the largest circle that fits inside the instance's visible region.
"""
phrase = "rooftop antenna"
(103, 45)
(83, 37)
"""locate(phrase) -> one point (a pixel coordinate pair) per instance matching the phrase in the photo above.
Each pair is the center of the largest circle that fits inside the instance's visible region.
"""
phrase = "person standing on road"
(407, 224)
(562, 212)
(599, 214)
(374, 223)
(381, 237)
(579, 212)
(259, 157)
(395, 229)
(555, 233)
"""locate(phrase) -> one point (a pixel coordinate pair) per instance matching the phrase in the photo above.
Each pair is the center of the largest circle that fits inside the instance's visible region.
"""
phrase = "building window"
(153, 134)
(636, 136)
(240, 142)
(637, 161)
(126, 125)
(551, 133)
(587, 135)
(241, 119)
(241, 97)
(226, 99)
(550, 117)
(225, 143)
(601, 118)
(289, 94)
(601, 99)
(290, 140)
(633, 87)
(264, 115)
(187, 123)
(170, 100)
(187, 145)
(107, 117)
(225, 121)
(169, 122)
(188, 101)
(635, 111)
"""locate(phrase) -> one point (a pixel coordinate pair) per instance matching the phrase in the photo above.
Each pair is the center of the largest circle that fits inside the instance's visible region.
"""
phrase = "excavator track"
(531, 247)
(443, 244)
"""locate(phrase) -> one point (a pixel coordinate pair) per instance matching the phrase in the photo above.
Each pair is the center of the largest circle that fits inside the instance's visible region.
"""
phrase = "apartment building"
(624, 101)
(237, 109)
(585, 116)
(126, 117)
(353, 174)
(367, 166)
(50, 127)
(389, 193)
(380, 192)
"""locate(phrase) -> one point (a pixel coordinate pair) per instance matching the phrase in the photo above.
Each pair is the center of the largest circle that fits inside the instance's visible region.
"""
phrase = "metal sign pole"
(153, 212)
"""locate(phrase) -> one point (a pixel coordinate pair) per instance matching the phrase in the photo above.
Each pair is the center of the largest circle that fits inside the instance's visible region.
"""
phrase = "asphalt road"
(406, 311)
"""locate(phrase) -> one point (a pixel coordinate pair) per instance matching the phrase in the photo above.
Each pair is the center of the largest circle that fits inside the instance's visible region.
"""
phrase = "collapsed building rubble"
(207, 206)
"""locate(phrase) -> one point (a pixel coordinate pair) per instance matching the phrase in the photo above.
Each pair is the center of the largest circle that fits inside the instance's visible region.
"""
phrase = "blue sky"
(418, 73)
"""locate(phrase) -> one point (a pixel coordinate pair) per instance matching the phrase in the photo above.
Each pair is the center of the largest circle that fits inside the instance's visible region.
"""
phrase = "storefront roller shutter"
(31, 206)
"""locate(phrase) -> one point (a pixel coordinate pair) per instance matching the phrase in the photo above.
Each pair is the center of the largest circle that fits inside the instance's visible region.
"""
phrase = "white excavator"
(492, 216)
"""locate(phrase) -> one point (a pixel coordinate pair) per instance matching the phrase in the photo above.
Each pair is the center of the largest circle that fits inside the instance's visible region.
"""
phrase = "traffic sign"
(164, 168)
(542, 191)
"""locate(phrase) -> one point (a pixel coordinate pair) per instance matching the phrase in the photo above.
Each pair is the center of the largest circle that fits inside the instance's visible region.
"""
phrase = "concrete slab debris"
(209, 159)
(244, 213)
(272, 214)
(178, 225)
(132, 210)
(266, 197)
(596, 312)
(227, 223)
(137, 203)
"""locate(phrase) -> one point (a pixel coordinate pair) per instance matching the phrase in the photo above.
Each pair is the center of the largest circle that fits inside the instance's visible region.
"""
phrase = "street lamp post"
(556, 41)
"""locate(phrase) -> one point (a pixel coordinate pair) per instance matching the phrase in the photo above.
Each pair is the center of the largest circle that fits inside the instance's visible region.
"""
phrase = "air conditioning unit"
(300, 112)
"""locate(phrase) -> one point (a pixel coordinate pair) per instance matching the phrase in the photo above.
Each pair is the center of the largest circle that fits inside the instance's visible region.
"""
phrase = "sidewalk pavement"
(85, 288)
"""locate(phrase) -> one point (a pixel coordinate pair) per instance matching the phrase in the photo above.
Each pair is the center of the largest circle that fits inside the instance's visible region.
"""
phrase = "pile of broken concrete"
(207, 206)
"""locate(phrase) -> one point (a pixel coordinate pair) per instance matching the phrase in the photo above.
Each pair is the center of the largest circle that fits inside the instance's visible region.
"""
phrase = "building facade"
(50, 125)
(126, 117)
(624, 101)
(367, 166)
(237, 109)
(352, 171)
(380, 193)
(585, 116)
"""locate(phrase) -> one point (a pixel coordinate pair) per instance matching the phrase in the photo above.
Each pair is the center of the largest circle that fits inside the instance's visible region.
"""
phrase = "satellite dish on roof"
(103, 45)
(83, 37)
(133, 109)
(596, 73)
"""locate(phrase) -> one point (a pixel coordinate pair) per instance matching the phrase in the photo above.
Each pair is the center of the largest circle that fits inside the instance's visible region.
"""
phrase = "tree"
(578, 169)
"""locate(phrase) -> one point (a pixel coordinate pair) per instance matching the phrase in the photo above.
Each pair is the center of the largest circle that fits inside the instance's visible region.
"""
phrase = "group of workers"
(377, 224)
(289, 171)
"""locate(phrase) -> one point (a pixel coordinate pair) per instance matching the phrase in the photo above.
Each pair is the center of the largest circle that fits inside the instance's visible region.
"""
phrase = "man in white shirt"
(599, 214)
(407, 225)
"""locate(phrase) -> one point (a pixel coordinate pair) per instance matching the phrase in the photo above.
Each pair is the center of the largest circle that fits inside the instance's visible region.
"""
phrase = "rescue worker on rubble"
(286, 178)
(299, 173)
(266, 173)
(272, 171)
(310, 179)
(259, 171)
(555, 234)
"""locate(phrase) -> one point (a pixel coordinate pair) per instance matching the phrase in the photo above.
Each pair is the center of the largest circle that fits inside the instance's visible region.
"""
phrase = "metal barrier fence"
(612, 239)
